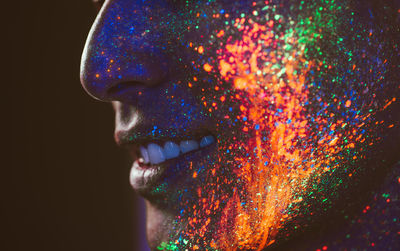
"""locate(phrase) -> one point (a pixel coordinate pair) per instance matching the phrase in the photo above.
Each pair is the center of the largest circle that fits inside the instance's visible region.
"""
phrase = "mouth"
(152, 156)
(157, 153)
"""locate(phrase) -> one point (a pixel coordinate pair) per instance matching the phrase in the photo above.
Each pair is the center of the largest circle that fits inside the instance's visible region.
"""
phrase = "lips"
(157, 155)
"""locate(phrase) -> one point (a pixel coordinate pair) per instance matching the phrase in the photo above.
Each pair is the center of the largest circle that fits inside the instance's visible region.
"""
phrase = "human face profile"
(246, 117)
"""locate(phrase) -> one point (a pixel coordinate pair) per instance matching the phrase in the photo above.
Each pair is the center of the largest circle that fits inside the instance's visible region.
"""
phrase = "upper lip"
(155, 134)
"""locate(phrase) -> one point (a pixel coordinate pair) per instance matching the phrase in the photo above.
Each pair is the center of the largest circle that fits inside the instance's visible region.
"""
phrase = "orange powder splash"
(276, 93)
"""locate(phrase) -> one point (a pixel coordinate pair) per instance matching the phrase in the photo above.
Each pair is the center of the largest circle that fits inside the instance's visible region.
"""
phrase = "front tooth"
(156, 153)
(188, 145)
(207, 140)
(171, 150)
(145, 154)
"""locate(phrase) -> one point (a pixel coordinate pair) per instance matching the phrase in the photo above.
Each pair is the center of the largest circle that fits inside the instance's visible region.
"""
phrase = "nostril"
(122, 88)
(130, 87)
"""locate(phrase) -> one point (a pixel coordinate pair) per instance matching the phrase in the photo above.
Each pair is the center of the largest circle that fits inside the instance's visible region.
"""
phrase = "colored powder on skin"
(295, 134)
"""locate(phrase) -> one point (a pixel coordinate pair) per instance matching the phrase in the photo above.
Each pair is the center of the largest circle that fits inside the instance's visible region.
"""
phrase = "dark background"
(65, 183)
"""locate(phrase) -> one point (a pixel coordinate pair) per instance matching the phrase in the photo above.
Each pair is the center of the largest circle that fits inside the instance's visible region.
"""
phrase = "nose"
(123, 52)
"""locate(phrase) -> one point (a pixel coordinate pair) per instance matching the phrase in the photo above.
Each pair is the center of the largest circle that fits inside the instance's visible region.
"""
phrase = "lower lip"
(145, 177)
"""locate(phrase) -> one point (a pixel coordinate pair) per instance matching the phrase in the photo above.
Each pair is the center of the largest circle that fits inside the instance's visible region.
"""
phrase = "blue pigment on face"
(302, 98)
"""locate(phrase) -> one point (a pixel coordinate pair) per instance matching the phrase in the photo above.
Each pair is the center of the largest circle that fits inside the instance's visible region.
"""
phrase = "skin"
(165, 70)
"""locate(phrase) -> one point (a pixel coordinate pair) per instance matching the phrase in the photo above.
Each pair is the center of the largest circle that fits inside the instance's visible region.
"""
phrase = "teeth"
(171, 150)
(207, 140)
(188, 145)
(145, 154)
(156, 153)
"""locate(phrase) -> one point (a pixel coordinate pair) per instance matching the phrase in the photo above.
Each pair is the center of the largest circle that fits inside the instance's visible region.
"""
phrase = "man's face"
(241, 116)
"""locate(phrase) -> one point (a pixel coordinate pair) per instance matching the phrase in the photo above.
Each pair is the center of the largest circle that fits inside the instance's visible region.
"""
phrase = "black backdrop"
(64, 182)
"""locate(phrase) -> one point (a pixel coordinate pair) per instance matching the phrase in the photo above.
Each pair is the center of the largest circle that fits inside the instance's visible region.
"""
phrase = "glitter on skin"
(275, 97)
(283, 81)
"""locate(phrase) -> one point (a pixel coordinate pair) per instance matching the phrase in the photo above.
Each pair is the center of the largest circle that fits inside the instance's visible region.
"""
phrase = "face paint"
(301, 99)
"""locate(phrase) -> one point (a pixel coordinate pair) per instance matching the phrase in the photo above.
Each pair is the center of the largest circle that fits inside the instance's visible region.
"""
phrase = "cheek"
(298, 94)
(291, 78)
